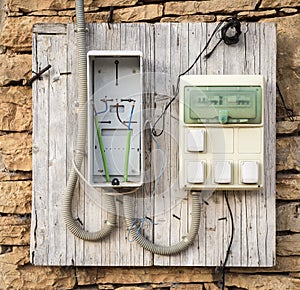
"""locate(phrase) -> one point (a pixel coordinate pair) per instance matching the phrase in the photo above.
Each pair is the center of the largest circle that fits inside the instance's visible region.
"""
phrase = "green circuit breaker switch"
(223, 116)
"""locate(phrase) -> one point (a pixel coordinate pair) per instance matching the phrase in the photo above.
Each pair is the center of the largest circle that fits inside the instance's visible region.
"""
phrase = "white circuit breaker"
(115, 119)
(221, 132)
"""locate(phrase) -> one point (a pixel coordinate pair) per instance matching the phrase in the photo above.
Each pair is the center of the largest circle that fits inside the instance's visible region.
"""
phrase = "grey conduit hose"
(72, 225)
(158, 249)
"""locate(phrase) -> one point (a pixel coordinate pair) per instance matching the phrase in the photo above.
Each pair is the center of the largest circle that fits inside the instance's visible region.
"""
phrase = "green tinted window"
(222, 104)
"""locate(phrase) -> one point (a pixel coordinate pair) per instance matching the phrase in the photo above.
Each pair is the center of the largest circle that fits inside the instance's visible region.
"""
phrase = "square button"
(223, 172)
(195, 140)
(249, 172)
(195, 172)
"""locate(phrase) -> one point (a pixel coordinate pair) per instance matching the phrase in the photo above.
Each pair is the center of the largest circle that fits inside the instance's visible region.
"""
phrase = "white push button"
(195, 172)
(222, 171)
(249, 171)
(195, 140)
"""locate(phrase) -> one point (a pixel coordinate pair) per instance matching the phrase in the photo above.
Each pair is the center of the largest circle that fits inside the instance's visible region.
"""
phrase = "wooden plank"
(40, 172)
(162, 233)
(268, 68)
(214, 228)
(161, 44)
(237, 53)
(74, 247)
(50, 28)
(57, 147)
(180, 217)
(197, 38)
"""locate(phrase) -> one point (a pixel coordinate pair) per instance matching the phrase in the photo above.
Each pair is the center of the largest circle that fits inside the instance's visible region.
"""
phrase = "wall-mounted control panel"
(221, 132)
(115, 120)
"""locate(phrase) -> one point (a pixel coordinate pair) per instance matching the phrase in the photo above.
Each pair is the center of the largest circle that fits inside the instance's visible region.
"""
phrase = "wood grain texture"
(168, 49)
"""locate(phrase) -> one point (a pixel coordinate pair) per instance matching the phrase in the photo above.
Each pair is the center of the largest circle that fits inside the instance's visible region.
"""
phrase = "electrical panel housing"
(115, 119)
(221, 132)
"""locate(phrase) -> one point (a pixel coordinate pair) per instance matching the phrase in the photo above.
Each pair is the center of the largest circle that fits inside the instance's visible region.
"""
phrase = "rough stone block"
(15, 150)
(32, 277)
(134, 288)
(278, 3)
(37, 5)
(15, 109)
(190, 18)
(288, 152)
(287, 127)
(288, 60)
(256, 14)
(15, 197)
(213, 6)
(263, 282)
(288, 245)
(179, 286)
(288, 10)
(288, 186)
(14, 68)
(6, 175)
(288, 217)
(93, 17)
(138, 13)
(92, 275)
(212, 286)
(14, 230)
(18, 256)
(17, 31)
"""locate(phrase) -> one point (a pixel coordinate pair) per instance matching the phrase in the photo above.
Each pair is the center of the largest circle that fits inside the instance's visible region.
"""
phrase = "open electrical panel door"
(115, 118)
(221, 132)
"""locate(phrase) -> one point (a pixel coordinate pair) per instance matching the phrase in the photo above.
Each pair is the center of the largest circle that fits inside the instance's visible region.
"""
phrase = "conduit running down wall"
(72, 225)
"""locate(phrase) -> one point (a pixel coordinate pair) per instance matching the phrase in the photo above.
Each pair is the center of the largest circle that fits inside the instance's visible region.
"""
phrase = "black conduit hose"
(72, 225)
(158, 249)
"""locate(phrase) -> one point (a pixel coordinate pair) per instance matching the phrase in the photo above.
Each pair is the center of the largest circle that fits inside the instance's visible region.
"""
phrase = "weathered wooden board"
(168, 49)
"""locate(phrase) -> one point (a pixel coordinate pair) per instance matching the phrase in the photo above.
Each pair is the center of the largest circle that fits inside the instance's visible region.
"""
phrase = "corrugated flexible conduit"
(155, 248)
(72, 225)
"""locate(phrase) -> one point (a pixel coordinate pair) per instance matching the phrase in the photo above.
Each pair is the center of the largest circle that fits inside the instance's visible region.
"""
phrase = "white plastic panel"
(249, 172)
(221, 140)
(195, 140)
(206, 103)
(250, 141)
(195, 171)
(223, 172)
(115, 103)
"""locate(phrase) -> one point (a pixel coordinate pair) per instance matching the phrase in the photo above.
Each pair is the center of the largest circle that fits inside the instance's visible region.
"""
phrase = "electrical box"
(221, 132)
(115, 119)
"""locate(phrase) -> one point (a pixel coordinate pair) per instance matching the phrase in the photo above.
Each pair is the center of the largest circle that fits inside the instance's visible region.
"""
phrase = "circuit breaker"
(115, 119)
(221, 132)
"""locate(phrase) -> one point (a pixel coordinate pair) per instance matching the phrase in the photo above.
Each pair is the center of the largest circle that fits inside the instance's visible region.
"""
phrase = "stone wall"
(16, 20)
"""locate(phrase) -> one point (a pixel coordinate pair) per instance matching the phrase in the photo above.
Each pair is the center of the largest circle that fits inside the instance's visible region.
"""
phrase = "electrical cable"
(232, 22)
(118, 116)
(137, 223)
(128, 139)
(105, 110)
(159, 249)
(231, 240)
(102, 149)
(73, 226)
(131, 114)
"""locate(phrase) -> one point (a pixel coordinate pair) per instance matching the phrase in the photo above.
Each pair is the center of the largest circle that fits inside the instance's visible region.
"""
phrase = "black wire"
(232, 25)
(232, 22)
(177, 84)
(118, 116)
(289, 112)
(231, 240)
